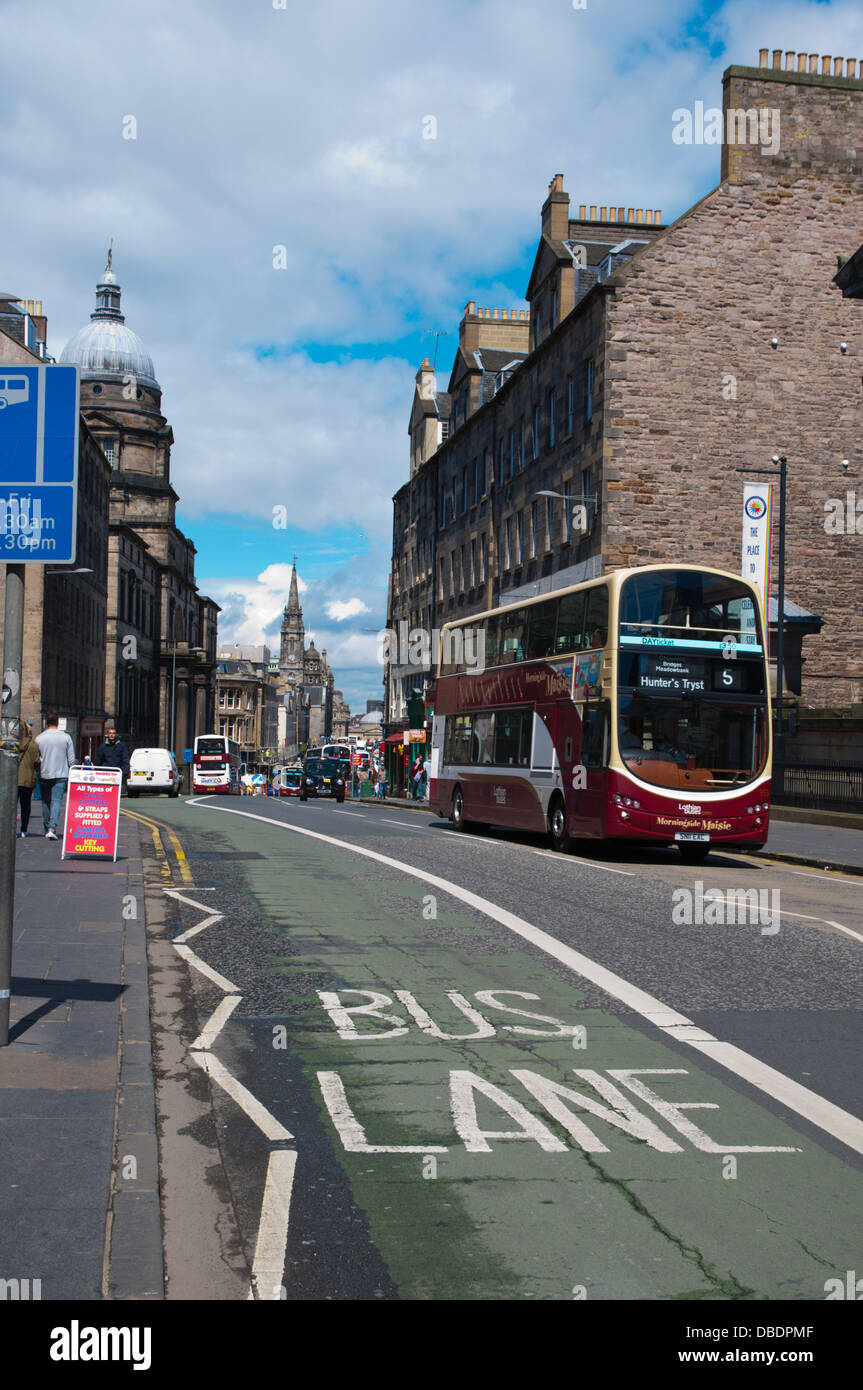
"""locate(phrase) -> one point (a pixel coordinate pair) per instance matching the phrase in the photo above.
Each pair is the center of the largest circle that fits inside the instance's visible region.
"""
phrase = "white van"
(153, 770)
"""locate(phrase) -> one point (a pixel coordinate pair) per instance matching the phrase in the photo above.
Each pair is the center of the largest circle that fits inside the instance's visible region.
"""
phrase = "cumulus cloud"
(340, 609)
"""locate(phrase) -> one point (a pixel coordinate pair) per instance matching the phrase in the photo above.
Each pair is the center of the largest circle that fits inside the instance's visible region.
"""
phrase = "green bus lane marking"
(549, 1149)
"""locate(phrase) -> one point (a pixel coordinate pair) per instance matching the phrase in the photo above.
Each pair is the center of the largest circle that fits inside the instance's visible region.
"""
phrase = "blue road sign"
(188, 755)
(38, 463)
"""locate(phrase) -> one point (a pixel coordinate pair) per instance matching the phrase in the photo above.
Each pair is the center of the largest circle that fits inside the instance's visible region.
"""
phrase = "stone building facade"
(161, 632)
(63, 667)
(651, 375)
(248, 702)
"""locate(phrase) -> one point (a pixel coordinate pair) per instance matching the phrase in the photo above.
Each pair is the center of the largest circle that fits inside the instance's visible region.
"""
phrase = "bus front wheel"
(693, 853)
(561, 840)
(457, 811)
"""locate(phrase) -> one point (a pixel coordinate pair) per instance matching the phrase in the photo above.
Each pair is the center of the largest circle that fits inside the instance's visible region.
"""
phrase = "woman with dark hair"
(28, 762)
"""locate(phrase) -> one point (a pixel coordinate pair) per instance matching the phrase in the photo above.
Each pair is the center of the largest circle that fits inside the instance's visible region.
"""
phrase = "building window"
(536, 432)
(519, 538)
(464, 492)
(552, 409)
(109, 448)
(570, 406)
(537, 334)
(443, 506)
(485, 472)
(567, 512)
(440, 581)
(473, 562)
(452, 572)
(588, 389)
(521, 444)
(476, 492)
(483, 557)
(534, 511)
(507, 555)
(512, 453)
(549, 522)
(554, 308)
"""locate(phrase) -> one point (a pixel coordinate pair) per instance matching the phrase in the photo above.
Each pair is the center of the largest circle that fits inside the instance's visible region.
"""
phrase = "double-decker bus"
(631, 707)
(216, 764)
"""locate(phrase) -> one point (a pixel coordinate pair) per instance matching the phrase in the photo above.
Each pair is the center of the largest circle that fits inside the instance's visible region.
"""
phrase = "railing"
(824, 786)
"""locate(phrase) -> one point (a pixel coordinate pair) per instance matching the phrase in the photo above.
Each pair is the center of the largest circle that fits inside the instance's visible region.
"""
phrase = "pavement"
(79, 1191)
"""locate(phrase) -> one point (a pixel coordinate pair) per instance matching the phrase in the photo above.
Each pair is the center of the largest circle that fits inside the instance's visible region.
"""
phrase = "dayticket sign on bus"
(92, 812)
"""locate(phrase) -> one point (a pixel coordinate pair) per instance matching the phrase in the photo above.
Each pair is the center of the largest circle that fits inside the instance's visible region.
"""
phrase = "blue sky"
(288, 240)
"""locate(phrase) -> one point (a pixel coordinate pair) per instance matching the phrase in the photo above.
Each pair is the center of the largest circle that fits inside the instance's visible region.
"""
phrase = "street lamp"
(578, 504)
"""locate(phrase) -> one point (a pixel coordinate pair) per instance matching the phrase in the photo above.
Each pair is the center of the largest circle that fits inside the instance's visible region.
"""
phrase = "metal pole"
(780, 629)
(13, 643)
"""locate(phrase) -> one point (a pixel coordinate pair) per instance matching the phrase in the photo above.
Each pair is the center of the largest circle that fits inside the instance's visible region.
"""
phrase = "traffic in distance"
(633, 707)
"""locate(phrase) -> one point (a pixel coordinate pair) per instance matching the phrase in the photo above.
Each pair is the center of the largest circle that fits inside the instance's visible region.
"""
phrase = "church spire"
(293, 595)
(293, 629)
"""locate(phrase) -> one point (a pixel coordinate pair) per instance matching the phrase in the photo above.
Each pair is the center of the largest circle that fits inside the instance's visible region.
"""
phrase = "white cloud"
(340, 609)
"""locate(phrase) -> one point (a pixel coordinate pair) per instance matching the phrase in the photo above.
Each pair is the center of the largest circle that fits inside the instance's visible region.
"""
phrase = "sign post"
(92, 821)
(38, 524)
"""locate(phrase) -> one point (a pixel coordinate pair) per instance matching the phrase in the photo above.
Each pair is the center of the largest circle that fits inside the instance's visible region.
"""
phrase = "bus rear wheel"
(561, 840)
(693, 853)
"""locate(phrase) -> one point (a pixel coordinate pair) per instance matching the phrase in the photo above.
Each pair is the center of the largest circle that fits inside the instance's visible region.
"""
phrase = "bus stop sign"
(38, 463)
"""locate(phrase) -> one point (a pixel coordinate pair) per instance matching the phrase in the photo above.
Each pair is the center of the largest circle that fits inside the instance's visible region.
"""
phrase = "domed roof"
(105, 346)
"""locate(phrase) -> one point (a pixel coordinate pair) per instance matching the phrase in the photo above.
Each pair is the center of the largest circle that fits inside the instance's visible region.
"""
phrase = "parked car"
(323, 777)
(153, 770)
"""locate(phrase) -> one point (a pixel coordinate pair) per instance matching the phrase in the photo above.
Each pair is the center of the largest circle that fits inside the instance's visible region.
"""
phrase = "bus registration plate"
(690, 835)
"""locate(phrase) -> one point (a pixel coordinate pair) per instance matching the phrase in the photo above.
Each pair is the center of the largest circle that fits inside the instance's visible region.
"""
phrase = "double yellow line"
(157, 831)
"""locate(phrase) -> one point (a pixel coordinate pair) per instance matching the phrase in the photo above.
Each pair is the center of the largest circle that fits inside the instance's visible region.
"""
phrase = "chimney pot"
(648, 217)
(837, 67)
(593, 212)
(621, 214)
(801, 62)
(630, 215)
(612, 214)
(30, 307)
(639, 215)
(470, 307)
(657, 217)
(850, 65)
(603, 214)
(813, 62)
(494, 313)
(38, 308)
(777, 57)
(762, 57)
(504, 313)
(789, 59)
(582, 212)
(825, 65)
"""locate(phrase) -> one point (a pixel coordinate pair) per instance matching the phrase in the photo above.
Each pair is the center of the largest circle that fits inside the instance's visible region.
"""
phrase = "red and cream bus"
(631, 707)
(216, 765)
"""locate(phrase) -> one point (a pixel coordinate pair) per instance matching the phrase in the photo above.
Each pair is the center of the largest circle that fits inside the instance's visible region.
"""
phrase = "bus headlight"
(624, 815)
(637, 805)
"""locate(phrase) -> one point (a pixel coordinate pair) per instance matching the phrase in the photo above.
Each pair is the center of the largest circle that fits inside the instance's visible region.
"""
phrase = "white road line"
(839, 927)
(268, 1266)
(216, 1022)
(181, 897)
(606, 869)
(812, 1107)
(189, 955)
(193, 931)
(257, 1113)
(405, 825)
(358, 814)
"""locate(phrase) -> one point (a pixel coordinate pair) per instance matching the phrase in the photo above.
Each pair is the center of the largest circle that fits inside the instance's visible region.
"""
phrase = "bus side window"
(596, 618)
(570, 621)
(492, 643)
(482, 741)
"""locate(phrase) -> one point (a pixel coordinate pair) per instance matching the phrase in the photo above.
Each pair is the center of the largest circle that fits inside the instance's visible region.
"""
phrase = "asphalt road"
(457, 1066)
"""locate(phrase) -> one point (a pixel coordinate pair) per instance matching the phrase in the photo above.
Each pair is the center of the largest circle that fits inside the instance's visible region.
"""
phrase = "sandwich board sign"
(38, 463)
(92, 812)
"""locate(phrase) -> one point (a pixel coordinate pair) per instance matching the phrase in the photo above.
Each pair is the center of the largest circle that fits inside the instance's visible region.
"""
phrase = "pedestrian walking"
(28, 762)
(114, 753)
(417, 777)
(381, 784)
(56, 756)
(426, 778)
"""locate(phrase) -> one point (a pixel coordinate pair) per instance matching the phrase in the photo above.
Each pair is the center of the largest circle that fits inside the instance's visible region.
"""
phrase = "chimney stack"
(555, 211)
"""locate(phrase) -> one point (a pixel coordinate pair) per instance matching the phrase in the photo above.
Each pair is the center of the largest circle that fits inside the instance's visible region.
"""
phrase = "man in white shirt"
(57, 755)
